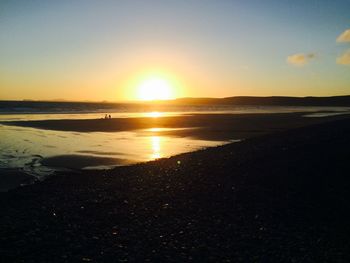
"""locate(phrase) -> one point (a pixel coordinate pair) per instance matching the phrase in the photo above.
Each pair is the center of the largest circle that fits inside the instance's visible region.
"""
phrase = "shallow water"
(39, 153)
(26, 148)
(96, 111)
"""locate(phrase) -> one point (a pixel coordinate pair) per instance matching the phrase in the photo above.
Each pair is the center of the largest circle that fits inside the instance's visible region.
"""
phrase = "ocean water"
(75, 109)
(39, 152)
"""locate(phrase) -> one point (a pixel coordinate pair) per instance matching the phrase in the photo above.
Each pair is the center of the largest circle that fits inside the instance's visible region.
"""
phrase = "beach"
(206, 126)
(33, 149)
(276, 197)
(175, 131)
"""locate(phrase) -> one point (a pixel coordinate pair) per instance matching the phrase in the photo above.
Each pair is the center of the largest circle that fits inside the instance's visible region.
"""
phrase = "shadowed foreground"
(276, 198)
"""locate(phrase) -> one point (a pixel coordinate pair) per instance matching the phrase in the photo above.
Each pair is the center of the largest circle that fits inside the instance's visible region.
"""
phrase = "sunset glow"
(174, 130)
(155, 89)
(112, 51)
(156, 150)
(154, 114)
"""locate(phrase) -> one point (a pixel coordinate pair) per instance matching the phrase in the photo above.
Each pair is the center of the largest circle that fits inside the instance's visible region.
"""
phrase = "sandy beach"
(199, 126)
(280, 197)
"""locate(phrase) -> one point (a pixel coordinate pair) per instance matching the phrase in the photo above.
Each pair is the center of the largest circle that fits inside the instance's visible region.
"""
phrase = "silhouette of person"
(110, 116)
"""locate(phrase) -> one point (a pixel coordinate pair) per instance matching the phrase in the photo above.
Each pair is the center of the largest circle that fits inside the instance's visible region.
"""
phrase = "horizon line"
(169, 100)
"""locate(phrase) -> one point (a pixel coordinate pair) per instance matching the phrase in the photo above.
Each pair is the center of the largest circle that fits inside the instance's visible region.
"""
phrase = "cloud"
(344, 59)
(300, 59)
(344, 37)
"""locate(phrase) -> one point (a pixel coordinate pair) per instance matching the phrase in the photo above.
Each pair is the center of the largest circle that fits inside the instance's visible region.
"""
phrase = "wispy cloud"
(344, 59)
(300, 59)
(344, 37)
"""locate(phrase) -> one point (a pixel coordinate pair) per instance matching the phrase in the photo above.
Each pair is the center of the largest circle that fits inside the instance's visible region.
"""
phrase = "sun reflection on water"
(155, 129)
(154, 114)
(156, 150)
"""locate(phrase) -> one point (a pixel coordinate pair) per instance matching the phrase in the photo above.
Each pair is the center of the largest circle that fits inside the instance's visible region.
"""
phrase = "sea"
(25, 149)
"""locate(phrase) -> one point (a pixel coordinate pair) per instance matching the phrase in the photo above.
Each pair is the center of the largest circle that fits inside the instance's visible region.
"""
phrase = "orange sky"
(105, 51)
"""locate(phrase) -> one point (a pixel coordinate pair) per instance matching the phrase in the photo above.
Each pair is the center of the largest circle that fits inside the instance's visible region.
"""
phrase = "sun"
(155, 89)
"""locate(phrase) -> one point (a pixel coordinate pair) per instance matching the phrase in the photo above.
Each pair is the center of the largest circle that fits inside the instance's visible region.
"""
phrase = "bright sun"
(155, 89)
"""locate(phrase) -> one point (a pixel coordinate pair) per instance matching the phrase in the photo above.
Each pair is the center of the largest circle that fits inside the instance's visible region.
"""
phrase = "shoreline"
(215, 127)
(277, 197)
(211, 127)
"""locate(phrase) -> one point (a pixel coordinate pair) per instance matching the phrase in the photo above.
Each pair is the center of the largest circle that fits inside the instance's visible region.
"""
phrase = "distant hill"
(239, 100)
(269, 101)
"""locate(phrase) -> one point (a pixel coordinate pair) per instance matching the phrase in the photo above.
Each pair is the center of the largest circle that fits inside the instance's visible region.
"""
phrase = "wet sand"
(199, 126)
(76, 162)
(281, 197)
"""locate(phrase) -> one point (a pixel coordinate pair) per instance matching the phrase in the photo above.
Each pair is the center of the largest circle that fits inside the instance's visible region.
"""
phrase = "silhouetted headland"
(269, 101)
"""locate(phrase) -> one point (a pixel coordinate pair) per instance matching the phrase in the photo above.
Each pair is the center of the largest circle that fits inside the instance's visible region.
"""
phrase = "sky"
(104, 50)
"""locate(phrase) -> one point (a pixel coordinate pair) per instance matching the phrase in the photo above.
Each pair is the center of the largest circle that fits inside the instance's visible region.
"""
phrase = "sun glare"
(156, 150)
(154, 114)
(155, 89)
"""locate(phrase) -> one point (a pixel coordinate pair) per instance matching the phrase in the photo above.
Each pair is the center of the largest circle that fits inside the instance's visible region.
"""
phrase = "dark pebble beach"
(281, 197)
